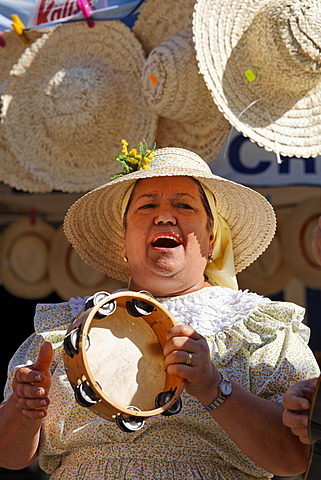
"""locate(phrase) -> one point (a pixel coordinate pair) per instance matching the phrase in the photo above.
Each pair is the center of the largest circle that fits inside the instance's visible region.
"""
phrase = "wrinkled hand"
(201, 377)
(316, 243)
(31, 385)
(297, 403)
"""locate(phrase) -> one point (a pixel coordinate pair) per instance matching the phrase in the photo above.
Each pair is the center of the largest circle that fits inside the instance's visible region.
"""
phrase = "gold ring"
(189, 360)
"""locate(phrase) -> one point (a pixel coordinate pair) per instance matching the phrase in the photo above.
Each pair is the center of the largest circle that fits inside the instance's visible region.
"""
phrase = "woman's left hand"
(187, 356)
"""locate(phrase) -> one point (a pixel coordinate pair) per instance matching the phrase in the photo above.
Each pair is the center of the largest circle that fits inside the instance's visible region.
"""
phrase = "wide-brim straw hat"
(12, 172)
(24, 258)
(297, 239)
(94, 225)
(69, 99)
(261, 60)
(269, 274)
(172, 84)
(71, 276)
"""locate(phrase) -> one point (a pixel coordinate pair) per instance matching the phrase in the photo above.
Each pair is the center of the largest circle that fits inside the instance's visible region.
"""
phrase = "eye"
(146, 205)
(185, 206)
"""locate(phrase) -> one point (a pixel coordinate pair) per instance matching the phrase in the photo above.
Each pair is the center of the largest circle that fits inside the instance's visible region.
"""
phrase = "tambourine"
(114, 360)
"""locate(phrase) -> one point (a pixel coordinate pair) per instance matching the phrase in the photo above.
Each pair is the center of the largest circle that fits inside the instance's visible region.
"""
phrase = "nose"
(165, 217)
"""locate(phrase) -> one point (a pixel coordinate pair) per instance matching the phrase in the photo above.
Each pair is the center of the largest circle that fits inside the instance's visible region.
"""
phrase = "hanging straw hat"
(12, 172)
(172, 85)
(158, 21)
(12, 50)
(261, 60)
(269, 273)
(24, 259)
(94, 226)
(297, 239)
(71, 276)
(68, 100)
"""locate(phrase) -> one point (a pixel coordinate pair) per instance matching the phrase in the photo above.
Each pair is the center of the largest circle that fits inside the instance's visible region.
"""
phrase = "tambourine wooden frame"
(78, 369)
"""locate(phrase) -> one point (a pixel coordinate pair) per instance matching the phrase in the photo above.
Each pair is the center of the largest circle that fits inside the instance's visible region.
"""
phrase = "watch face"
(226, 387)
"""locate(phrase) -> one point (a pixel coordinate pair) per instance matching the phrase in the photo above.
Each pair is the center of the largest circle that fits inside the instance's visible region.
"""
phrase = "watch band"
(216, 403)
(222, 396)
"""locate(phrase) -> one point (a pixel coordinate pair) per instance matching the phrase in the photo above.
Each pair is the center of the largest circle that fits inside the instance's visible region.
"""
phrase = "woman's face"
(167, 239)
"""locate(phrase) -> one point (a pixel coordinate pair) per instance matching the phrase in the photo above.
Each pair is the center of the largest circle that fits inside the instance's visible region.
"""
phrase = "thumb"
(44, 359)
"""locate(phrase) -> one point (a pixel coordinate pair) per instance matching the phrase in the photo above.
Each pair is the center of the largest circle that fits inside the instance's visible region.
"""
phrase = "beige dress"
(259, 343)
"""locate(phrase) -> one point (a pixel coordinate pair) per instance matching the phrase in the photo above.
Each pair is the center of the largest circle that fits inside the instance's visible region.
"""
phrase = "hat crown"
(178, 158)
(291, 29)
(300, 26)
(172, 85)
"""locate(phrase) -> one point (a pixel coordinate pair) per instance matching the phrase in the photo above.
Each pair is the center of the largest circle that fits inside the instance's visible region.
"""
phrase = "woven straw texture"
(297, 239)
(93, 224)
(159, 20)
(269, 273)
(24, 258)
(70, 275)
(13, 49)
(172, 85)
(261, 60)
(77, 90)
(12, 172)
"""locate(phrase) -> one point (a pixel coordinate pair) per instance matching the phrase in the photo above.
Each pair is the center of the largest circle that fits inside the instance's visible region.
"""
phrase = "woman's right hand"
(31, 385)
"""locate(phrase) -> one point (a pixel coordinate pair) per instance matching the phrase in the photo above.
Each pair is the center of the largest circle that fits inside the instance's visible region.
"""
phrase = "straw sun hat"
(24, 258)
(12, 172)
(269, 273)
(94, 227)
(70, 275)
(297, 239)
(68, 100)
(261, 60)
(171, 83)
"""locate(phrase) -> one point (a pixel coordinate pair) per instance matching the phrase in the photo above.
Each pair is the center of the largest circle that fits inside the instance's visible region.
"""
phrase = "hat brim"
(205, 137)
(70, 276)
(12, 172)
(269, 274)
(13, 49)
(25, 270)
(94, 225)
(297, 239)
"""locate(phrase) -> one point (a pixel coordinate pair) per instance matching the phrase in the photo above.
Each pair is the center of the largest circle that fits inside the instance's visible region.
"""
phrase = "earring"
(210, 258)
(125, 259)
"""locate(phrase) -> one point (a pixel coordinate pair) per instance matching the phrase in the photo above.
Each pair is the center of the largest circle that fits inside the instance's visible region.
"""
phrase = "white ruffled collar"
(208, 310)
(211, 309)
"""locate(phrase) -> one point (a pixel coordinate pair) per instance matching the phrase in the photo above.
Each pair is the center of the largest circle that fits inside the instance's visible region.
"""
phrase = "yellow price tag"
(250, 75)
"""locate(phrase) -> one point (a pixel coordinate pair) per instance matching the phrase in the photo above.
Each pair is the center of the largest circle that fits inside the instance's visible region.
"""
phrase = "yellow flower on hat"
(132, 161)
(124, 147)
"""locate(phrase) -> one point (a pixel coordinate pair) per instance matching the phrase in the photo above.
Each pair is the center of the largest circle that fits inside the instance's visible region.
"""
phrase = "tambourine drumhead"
(120, 356)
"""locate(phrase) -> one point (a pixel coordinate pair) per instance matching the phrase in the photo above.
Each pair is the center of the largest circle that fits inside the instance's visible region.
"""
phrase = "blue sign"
(245, 162)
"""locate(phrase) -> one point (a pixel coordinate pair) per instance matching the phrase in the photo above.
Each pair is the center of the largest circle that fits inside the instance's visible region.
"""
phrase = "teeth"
(166, 241)
(167, 236)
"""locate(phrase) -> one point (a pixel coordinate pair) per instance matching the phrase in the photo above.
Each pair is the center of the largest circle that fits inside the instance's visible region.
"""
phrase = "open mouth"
(166, 241)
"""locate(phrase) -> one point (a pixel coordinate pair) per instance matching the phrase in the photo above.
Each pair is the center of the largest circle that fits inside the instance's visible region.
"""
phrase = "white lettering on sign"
(53, 10)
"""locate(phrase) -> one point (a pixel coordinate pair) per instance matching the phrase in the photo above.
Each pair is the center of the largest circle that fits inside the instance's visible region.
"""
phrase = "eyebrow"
(175, 195)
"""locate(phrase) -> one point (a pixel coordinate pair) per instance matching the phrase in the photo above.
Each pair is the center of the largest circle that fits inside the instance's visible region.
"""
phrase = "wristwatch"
(225, 389)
